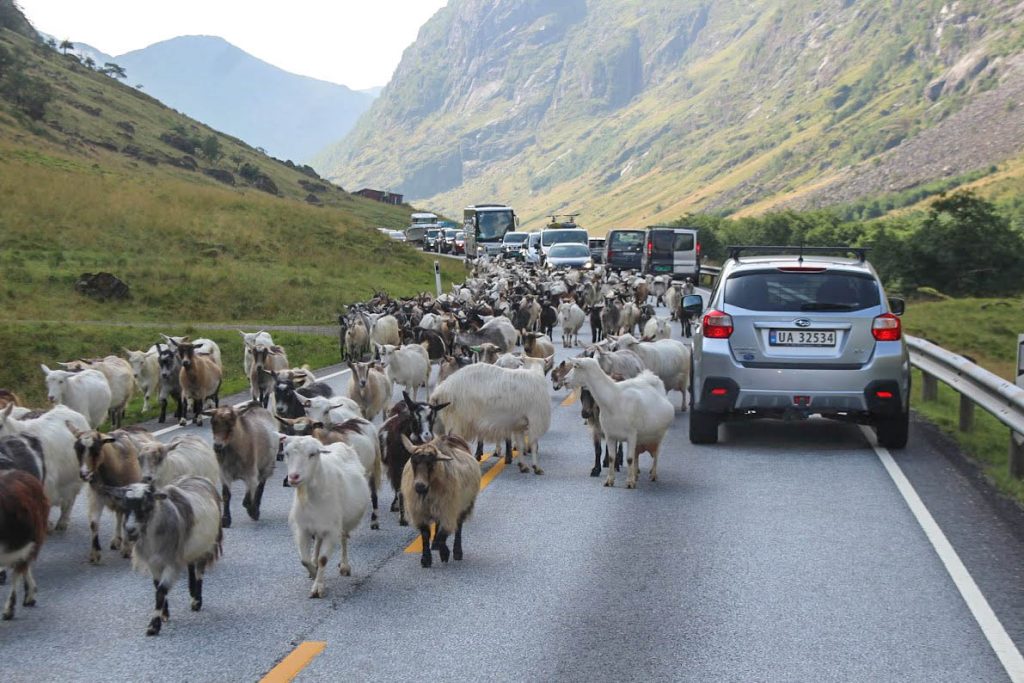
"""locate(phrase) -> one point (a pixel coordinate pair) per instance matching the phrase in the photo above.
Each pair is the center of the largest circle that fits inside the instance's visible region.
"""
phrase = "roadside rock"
(102, 286)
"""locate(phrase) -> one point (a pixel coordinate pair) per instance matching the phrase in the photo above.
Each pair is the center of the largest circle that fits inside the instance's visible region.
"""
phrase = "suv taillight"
(650, 247)
(886, 327)
(717, 325)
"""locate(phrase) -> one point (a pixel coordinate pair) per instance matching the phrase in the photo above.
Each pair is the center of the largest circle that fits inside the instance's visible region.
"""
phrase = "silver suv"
(789, 332)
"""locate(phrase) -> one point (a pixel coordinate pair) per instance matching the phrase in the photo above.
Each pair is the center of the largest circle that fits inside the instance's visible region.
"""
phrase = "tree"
(211, 148)
(66, 45)
(89, 62)
(30, 95)
(964, 247)
(111, 69)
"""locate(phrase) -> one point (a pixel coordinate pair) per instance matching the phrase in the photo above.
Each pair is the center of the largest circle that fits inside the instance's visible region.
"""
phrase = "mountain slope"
(636, 112)
(290, 116)
(96, 176)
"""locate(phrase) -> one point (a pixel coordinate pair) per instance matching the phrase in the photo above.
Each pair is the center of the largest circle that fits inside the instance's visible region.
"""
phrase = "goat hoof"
(154, 628)
(630, 484)
(94, 558)
(609, 483)
(8, 615)
(523, 469)
(181, 423)
(225, 522)
(403, 522)
(115, 544)
(375, 524)
(425, 563)
(508, 458)
(345, 570)
(254, 514)
(197, 605)
(29, 603)
(457, 555)
(596, 472)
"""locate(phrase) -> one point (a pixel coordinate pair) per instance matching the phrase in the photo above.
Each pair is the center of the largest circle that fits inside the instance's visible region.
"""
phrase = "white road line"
(167, 430)
(1000, 641)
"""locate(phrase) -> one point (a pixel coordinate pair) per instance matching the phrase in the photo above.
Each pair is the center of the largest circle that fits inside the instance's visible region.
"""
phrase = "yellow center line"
(417, 545)
(571, 398)
(295, 662)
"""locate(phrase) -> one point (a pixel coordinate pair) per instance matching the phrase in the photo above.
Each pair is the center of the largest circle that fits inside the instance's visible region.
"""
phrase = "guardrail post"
(437, 277)
(929, 388)
(966, 413)
(1017, 440)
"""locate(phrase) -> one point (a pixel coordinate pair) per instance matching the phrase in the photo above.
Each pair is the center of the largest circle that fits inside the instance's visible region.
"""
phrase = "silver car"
(788, 335)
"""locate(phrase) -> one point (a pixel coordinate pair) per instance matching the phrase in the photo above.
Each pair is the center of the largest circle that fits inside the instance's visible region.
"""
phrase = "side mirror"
(693, 304)
(897, 305)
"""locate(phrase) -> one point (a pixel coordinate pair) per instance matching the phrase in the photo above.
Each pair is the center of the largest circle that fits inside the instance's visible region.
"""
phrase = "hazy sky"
(357, 43)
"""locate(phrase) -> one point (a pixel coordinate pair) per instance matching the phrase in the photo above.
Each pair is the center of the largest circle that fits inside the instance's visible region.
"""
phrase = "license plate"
(662, 269)
(802, 337)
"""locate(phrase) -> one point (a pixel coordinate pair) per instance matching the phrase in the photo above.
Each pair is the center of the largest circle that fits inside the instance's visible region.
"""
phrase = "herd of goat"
(171, 501)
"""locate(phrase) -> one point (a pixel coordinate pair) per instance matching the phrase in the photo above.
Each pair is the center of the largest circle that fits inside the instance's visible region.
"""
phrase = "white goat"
(491, 404)
(146, 370)
(408, 366)
(120, 378)
(571, 317)
(331, 498)
(634, 411)
(62, 481)
(87, 392)
(330, 411)
(669, 359)
(249, 340)
(657, 328)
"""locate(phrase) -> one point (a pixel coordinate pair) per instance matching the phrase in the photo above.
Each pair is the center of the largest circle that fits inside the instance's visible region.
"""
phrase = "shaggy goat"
(439, 484)
(23, 511)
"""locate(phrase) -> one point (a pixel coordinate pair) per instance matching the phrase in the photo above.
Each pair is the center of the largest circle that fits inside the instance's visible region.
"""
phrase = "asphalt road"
(785, 552)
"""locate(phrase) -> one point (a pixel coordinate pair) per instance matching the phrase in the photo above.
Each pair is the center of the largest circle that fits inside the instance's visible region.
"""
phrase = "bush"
(28, 94)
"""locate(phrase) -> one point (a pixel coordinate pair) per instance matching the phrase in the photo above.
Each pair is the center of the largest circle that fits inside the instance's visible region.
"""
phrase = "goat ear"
(6, 412)
(46, 370)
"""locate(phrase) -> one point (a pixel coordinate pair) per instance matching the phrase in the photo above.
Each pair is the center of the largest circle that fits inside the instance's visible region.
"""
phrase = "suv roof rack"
(736, 251)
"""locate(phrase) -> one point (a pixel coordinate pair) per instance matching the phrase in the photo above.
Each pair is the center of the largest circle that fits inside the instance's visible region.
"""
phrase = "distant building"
(380, 195)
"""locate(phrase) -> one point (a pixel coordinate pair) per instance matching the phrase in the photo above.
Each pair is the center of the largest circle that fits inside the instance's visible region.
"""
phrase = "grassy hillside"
(102, 181)
(635, 113)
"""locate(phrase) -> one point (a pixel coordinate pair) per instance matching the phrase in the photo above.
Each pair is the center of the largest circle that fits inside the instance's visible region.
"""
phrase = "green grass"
(984, 329)
(26, 346)
(988, 443)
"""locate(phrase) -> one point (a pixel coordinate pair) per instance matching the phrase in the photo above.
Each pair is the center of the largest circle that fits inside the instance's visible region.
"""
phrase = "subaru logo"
(802, 322)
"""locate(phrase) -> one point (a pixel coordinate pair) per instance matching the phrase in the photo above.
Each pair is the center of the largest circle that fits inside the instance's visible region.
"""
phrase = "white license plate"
(801, 337)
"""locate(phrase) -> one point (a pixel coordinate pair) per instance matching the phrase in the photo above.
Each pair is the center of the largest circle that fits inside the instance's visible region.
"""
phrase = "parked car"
(569, 255)
(624, 249)
(597, 246)
(787, 335)
(396, 235)
(672, 251)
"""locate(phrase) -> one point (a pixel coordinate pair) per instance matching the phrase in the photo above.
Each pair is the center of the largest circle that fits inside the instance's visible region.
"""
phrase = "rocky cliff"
(634, 112)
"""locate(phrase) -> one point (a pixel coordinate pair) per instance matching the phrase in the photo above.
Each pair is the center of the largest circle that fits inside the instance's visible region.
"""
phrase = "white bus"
(420, 223)
(485, 226)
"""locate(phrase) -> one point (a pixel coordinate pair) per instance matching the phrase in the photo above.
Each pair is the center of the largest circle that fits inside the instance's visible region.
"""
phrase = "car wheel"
(703, 427)
(893, 431)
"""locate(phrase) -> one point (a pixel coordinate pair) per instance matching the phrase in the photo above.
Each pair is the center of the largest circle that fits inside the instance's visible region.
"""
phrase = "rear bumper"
(880, 387)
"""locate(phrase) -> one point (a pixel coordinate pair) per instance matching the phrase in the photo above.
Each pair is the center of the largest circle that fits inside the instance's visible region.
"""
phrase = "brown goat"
(23, 512)
(245, 441)
(200, 378)
(8, 397)
(439, 484)
(106, 460)
(370, 388)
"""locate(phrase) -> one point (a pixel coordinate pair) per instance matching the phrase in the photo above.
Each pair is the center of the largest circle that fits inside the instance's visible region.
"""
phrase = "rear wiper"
(828, 307)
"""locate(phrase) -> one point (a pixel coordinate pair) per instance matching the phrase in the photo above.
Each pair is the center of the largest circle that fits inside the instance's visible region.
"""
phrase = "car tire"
(703, 427)
(892, 432)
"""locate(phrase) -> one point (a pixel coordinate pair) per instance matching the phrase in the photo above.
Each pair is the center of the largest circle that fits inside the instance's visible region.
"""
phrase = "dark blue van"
(625, 249)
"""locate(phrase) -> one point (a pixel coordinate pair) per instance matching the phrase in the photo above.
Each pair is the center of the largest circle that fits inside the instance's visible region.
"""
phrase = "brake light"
(883, 394)
(698, 248)
(650, 247)
(886, 327)
(719, 391)
(717, 325)
(608, 256)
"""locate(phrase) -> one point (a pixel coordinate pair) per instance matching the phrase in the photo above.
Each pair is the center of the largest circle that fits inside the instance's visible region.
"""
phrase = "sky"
(357, 43)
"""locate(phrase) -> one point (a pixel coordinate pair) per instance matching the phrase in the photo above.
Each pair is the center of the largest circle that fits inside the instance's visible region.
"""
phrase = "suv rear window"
(667, 240)
(627, 241)
(777, 290)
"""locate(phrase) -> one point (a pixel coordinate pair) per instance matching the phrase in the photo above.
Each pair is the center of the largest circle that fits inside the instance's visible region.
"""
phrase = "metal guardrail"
(977, 386)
